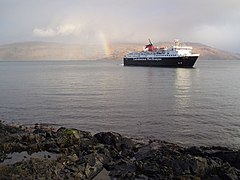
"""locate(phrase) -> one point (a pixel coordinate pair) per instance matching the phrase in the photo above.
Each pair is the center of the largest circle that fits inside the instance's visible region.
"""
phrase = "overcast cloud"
(212, 22)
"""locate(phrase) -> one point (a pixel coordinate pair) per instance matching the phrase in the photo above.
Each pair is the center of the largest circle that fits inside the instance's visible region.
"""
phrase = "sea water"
(196, 106)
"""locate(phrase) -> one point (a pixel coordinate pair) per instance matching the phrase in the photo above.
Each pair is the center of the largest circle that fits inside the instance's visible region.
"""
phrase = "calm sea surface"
(199, 106)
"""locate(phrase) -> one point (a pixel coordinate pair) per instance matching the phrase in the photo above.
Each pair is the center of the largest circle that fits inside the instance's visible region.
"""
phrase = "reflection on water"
(183, 84)
(23, 156)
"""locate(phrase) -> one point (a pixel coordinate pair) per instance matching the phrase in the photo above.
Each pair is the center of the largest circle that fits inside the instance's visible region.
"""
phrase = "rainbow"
(105, 43)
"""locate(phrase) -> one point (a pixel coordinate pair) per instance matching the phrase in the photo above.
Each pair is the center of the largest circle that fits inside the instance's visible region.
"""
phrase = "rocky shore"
(42, 152)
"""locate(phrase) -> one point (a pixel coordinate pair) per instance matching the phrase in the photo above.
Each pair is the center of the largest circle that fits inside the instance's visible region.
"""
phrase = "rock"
(73, 132)
(123, 169)
(230, 156)
(36, 168)
(83, 156)
(114, 139)
(6, 129)
(68, 137)
(223, 171)
(73, 158)
(103, 175)
(225, 154)
(93, 165)
(164, 161)
(51, 147)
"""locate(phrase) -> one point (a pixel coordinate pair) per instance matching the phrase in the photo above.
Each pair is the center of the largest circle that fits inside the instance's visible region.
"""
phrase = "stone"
(93, 165)
(79, 155)
(114, 139)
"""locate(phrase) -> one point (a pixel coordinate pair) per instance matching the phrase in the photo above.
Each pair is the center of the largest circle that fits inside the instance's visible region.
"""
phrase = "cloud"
(61, 30)
(211, 22)
(47, 32)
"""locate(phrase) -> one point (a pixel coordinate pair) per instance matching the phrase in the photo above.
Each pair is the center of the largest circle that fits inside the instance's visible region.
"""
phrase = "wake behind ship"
(175, 56)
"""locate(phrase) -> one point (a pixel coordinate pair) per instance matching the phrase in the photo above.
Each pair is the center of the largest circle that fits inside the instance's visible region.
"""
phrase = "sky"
(212, 22)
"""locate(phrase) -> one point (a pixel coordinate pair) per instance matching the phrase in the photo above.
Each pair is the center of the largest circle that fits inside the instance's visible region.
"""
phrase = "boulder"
(83, 156)
(115, 140)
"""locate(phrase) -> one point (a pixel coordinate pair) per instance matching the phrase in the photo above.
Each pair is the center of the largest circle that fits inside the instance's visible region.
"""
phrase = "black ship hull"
(184, 62)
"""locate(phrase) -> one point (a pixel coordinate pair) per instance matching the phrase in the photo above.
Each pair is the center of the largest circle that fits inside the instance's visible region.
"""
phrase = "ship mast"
(150, 43)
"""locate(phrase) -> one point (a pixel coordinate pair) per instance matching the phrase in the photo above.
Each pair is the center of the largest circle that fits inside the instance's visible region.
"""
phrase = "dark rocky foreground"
(44, 153)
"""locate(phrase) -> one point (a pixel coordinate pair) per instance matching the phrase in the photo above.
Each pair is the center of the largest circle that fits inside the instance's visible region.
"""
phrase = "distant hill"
(49, 51)
(206, 52)
(60, 51)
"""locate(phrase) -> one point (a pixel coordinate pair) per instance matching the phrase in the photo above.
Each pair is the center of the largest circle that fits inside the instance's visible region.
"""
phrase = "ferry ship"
(176, 56)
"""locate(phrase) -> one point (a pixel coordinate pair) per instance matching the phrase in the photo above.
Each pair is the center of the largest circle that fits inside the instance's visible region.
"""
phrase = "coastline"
(66, 153)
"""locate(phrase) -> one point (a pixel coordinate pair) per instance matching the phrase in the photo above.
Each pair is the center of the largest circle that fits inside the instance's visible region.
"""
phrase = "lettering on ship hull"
(147, 59)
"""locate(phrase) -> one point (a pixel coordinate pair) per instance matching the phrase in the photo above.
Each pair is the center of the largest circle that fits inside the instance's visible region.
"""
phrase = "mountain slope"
(206, 52)
(60, 51)
(49, 51)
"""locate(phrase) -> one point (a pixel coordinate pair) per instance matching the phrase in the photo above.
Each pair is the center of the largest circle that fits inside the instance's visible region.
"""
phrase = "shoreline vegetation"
(42, 152)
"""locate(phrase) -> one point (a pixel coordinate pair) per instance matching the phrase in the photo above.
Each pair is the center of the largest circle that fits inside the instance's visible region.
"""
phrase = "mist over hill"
(60, 51)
